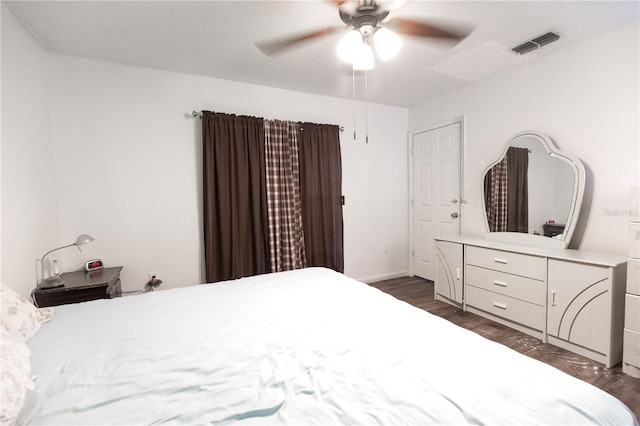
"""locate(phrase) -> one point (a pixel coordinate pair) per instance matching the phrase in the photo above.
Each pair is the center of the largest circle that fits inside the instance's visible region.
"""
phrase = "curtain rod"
(199, 115)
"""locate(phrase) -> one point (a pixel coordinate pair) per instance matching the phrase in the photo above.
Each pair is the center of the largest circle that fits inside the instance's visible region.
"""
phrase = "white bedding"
(302, 347)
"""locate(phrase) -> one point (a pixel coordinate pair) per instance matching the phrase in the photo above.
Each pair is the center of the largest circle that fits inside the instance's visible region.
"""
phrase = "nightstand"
(81, 286)
(552, 229)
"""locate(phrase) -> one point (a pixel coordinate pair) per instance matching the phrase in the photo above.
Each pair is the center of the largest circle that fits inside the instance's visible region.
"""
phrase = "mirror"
(533, 193)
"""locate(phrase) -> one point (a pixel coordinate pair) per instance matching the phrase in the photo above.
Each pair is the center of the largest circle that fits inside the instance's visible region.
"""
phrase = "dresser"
(570, 298)
(631, 355)
(81, 286)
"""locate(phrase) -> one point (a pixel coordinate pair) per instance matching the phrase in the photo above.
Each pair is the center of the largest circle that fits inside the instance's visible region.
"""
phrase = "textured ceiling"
(217, 39)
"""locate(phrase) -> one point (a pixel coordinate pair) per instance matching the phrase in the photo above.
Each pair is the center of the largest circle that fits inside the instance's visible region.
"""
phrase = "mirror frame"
(576, 202)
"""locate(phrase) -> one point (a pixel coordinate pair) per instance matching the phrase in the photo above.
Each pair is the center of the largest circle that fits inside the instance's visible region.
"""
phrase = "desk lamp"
(55, 280)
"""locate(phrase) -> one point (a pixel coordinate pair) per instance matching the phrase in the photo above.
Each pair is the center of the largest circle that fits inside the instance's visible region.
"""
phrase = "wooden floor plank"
(419, 292)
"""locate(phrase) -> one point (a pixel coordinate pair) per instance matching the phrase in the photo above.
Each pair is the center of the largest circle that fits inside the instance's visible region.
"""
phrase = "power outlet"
(154, 281)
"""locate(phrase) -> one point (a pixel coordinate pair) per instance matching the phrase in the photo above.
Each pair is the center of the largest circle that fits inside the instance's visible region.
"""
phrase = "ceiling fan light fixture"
(349, 46)
(387, 43)
(363, 59)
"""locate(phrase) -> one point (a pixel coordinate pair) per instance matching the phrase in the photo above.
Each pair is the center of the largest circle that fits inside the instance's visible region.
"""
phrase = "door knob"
(454, 215)
(454, 201)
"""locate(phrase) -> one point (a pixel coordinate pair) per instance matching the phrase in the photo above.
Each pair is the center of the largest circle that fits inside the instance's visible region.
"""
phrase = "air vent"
(536, 43)
(525, 48)
(545, 39)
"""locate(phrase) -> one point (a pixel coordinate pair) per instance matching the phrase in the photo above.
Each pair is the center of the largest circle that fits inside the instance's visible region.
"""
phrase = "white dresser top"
(593, 258)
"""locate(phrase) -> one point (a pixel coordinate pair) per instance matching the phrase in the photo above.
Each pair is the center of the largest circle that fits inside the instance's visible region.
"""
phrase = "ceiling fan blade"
(422, 29)
(392, 4)
(346, 6)
(274, 47)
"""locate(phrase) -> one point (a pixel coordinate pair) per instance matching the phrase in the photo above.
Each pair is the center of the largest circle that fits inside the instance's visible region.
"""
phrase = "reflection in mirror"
(533, 189)
(506, 192)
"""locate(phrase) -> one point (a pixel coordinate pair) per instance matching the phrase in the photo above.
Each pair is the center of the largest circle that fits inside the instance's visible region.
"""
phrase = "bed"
(308, 346)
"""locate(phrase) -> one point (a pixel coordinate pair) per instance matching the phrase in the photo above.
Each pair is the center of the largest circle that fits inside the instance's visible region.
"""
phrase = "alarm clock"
(93, 265)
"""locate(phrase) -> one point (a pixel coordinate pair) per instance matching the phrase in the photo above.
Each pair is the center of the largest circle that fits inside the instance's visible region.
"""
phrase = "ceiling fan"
(366, 19)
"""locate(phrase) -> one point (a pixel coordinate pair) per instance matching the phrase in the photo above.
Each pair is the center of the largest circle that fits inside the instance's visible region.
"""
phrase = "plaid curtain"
(496, 197)
(284, 208)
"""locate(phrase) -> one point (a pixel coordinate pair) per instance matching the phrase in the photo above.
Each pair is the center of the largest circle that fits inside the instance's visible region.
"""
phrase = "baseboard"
(382, 277)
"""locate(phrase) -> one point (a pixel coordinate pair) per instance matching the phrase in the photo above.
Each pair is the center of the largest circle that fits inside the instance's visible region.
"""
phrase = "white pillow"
(15, 369)
(20, 318)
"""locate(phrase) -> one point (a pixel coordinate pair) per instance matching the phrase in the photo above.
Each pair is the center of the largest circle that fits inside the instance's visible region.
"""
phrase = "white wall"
(128, 162)
(29, 217)
(585, 98)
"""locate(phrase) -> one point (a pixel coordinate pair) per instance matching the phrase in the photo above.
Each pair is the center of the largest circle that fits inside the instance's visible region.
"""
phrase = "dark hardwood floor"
(419, 292)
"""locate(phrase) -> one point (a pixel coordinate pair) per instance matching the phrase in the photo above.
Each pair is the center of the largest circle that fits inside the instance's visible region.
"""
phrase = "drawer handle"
(499, 305)
(500, 283)
(500, 260)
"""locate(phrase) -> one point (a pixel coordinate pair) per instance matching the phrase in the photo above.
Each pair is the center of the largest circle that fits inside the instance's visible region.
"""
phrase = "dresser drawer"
(633, 276)
(515, 286)
(632, 313)
(632, 348)
(515, 310)
(512, 263)
(634, 240)
(55, 298)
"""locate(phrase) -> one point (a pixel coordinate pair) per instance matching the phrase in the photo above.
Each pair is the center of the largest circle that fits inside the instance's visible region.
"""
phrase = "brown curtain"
(517, 190)
(321, 192)
(495, 193)
(235, 211)
(286, 237)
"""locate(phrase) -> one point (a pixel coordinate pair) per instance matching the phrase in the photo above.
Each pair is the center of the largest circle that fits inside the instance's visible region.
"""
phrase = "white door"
(436, 193)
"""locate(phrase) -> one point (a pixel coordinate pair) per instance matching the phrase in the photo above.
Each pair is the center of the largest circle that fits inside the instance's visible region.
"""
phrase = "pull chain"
(366, 103)
(366, 106)
(353, 79)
